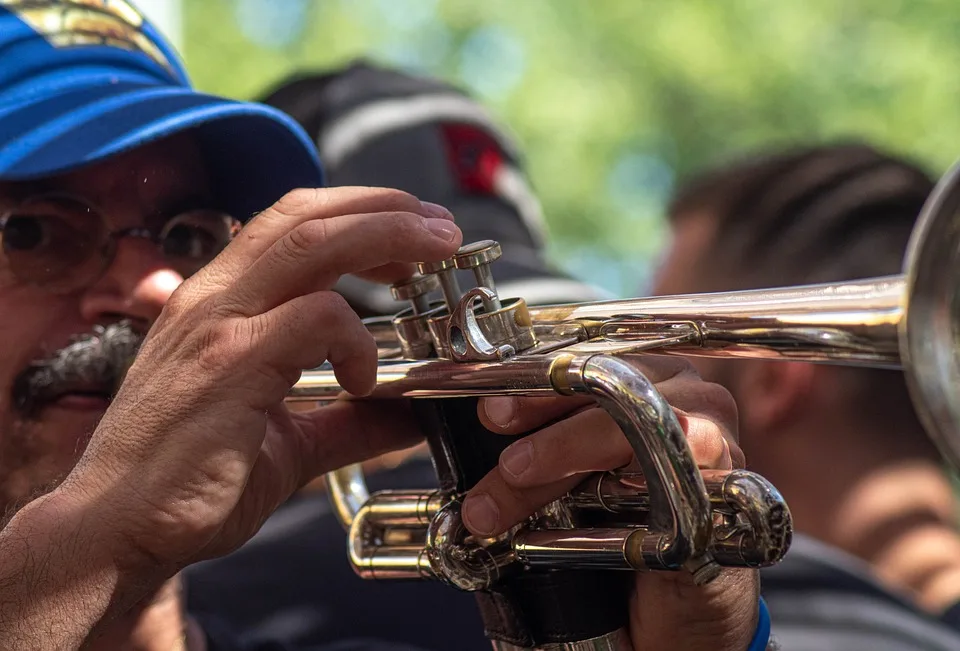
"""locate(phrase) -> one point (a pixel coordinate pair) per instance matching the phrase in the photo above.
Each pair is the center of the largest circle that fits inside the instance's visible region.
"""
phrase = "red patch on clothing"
(474, 155)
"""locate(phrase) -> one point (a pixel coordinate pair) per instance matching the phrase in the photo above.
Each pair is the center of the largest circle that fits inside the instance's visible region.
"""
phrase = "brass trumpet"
(444, 354)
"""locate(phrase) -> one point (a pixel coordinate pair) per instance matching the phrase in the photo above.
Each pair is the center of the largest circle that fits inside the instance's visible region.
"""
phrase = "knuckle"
(253, 331)
(333, 310)
(336, 303)
(219, 345)
(399, 226)
(719, 401)
(305, 238)
(668, 367)
(707, 443)
(178, 302)
(297, 202)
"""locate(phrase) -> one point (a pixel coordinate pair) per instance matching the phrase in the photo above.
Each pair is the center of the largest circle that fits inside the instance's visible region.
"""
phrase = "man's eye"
(197, 235)
(26, 233)
(188, 241)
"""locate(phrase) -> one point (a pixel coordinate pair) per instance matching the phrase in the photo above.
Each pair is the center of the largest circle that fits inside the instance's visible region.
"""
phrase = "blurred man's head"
(117, 181)
(379, 126)
(823, 214)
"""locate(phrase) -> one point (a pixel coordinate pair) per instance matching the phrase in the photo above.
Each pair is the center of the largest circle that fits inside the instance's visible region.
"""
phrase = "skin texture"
(886, 498)
(198, 448)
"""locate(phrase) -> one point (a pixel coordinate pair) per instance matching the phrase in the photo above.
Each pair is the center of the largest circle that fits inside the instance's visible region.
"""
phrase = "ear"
(773, 393)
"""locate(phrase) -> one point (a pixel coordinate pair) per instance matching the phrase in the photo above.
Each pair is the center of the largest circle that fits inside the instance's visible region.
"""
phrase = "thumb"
(348, 431)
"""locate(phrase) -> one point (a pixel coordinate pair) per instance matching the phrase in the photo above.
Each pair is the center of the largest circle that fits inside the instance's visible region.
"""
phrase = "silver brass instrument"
(671, 517)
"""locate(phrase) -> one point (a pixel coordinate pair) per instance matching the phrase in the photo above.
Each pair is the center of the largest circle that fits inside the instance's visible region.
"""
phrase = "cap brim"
(255, 154)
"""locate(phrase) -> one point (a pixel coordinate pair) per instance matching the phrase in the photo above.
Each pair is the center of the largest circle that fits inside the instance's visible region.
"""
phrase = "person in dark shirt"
(876, 564)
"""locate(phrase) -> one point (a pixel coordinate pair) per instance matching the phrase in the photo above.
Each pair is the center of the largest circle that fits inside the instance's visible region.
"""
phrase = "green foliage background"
(614, 100)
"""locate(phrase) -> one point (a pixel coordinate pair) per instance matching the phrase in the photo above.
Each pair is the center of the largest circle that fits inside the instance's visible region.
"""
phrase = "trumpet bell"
(929, 338)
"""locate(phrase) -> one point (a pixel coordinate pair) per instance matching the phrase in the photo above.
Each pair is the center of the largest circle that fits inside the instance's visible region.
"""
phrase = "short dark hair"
(827, 213)
(817, 214)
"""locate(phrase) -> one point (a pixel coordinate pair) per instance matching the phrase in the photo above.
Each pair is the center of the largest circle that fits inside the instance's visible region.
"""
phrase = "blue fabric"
(83, 81)
(762, 635)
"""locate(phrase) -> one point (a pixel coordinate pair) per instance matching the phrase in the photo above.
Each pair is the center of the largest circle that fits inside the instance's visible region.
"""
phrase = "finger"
(304, 333)
(516, 415)
(350, 431)
(316, 253)
(307, 204)
(592, 442)
(548, 464)
(397, 271)
(713, 413)
(493, 506)
(389, 273)
(510, 415)
(543, 466)
(320, 441)
(586, 442)
(708, 442)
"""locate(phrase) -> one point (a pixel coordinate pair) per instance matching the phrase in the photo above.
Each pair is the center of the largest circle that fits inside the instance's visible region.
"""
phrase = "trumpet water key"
(553, 582)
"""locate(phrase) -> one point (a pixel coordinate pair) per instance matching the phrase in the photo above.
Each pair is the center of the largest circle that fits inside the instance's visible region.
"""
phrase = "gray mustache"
(95, 362)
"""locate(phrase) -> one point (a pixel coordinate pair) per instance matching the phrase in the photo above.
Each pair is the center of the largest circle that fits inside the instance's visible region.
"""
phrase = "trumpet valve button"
(414, 287)
(427, 268)
(476, 254)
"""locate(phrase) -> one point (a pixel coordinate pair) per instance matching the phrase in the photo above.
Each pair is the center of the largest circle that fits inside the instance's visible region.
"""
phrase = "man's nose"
(135, 286)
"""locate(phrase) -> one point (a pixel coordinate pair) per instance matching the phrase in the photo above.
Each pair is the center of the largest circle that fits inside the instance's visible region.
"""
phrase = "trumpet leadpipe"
(852, 323)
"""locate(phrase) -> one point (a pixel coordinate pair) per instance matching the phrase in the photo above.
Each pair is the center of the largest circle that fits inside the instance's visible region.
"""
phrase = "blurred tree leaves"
(614, 100)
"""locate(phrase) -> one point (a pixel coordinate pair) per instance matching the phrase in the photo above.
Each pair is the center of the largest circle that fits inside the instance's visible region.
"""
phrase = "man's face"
(46, 417)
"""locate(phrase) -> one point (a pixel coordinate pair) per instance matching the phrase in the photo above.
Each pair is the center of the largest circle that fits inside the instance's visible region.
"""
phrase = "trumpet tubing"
(438, 351)
(445, 353)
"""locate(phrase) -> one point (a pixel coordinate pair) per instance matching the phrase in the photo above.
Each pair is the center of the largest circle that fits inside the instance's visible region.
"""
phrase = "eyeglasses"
(62, 243)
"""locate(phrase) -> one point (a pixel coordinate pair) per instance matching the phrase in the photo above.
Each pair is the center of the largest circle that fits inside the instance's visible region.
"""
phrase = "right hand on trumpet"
(667, 611)
(198, 448)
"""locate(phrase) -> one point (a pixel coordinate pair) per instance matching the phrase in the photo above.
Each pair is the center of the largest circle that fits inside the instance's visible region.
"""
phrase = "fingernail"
(436, 211)
(500, 411)
(442, 228)
(480, 514)
(516, 458)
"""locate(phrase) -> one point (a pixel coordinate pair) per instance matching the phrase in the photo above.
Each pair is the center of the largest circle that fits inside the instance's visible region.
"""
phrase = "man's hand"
(198, 448)
(667, 611)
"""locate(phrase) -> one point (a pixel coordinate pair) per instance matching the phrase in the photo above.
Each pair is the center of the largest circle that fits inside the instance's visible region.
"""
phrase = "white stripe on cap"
(511, 185)
(351, 132)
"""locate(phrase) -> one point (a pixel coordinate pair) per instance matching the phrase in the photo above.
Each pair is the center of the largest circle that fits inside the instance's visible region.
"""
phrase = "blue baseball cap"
(84, 80)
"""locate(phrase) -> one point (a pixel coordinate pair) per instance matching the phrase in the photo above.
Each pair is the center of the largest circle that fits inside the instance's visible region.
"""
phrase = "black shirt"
(292, 582)
(221, 637)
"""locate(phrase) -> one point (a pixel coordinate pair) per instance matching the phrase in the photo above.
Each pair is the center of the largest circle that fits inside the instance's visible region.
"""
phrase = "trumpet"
(444, 354)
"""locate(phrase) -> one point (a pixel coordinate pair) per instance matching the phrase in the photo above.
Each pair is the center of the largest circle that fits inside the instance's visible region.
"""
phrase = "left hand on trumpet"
(667, 610)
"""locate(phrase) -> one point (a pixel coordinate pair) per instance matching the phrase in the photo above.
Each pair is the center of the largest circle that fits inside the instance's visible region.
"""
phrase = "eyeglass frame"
(108, 243)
